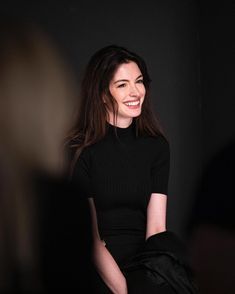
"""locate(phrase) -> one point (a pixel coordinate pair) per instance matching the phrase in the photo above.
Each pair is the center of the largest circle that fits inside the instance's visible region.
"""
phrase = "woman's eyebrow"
(125, 80)
(140, 76)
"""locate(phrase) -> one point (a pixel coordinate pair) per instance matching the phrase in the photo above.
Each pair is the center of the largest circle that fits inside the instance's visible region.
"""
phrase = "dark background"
(187, 46)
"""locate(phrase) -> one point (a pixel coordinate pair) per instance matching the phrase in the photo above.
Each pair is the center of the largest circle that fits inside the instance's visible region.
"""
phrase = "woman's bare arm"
(156, 214)
(104, 262)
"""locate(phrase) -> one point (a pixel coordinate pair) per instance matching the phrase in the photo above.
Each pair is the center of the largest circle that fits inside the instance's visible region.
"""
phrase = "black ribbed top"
(120, 172)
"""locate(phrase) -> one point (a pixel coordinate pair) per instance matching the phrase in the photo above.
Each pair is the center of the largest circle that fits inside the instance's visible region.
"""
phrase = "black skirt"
(123, 248)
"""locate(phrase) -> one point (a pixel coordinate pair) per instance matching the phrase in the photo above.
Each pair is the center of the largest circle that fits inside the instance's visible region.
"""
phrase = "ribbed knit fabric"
(120, 172)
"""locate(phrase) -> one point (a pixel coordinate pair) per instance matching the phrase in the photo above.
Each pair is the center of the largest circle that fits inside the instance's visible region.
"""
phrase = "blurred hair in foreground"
(37, 98)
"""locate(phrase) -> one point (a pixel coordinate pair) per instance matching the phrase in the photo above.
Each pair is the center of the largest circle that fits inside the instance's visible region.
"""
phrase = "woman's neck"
(120, 122)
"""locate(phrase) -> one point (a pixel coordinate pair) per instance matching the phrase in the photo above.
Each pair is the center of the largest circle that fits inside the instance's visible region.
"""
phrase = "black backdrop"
(186, 45)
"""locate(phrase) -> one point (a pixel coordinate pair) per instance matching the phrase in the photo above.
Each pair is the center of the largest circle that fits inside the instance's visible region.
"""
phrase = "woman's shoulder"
(158, 141)
(156, 147)
(74, 147)
(83, 153)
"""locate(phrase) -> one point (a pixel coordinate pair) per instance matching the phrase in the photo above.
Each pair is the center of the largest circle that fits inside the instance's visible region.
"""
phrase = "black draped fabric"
(161, 267)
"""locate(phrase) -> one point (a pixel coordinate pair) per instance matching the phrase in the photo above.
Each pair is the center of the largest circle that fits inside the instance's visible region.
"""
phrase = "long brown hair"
(91, 124)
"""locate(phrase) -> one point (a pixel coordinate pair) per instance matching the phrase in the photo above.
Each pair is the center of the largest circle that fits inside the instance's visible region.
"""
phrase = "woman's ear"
(104, 98)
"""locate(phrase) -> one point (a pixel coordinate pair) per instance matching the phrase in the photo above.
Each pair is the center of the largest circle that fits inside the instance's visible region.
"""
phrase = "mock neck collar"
(122, 132)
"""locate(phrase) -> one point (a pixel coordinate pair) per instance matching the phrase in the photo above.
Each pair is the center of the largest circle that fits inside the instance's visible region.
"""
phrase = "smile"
(132, 103)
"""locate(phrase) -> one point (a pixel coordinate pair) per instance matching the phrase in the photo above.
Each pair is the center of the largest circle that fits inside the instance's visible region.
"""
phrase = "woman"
(121, 161)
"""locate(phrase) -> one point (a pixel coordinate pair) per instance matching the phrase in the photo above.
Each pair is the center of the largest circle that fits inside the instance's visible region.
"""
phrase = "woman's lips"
(133, 104)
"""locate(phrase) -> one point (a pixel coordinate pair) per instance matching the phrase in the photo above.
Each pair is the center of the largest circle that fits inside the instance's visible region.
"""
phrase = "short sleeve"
(160, 166)
(81, 176)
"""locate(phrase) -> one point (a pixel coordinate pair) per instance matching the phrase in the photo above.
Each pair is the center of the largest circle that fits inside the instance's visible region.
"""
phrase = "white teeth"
(132, 103)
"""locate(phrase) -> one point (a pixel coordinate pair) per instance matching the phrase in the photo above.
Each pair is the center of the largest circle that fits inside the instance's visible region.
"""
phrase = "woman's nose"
(134, 91)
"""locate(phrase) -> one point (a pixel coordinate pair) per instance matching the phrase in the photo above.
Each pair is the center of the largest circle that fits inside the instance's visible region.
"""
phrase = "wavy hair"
(91, 124)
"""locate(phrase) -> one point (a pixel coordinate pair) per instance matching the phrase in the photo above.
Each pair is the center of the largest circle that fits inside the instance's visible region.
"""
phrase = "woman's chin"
(133, 114)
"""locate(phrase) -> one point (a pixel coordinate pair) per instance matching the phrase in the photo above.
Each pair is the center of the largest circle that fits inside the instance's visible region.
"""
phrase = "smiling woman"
(128, 90)
(121, 164)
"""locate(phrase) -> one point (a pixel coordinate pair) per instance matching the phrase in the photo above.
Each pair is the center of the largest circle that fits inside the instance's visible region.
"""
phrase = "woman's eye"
(121, 85)
(140, 81)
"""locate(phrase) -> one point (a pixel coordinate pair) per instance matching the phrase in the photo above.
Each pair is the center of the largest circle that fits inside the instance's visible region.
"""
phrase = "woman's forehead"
(127, 71)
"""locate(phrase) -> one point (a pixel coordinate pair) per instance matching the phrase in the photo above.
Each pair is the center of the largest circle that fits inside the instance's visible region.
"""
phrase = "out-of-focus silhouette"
(44, 229)
(212, 227)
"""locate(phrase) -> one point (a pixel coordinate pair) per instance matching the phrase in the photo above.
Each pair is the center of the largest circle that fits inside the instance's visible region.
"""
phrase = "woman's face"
(128, 90)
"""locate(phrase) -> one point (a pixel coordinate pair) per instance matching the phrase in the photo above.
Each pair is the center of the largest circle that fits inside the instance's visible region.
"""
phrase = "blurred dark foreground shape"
(44, 226)
(212, 227)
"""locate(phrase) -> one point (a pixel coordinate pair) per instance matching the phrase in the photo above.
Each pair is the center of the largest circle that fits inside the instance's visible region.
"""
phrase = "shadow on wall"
(212, 226)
